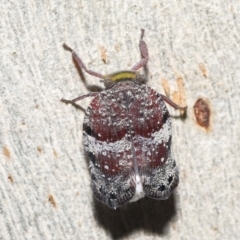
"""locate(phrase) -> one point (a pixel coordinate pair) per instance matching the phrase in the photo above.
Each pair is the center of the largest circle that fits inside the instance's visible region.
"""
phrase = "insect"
(127, 136)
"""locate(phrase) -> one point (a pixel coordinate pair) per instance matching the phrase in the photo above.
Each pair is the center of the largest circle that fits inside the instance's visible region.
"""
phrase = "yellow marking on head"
(118, 76)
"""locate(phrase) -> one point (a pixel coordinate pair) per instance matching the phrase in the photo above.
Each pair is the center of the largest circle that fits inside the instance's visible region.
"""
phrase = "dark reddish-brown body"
(127, 136)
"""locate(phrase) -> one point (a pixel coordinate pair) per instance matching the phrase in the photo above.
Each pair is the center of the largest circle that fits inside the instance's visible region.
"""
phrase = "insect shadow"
(149, 215)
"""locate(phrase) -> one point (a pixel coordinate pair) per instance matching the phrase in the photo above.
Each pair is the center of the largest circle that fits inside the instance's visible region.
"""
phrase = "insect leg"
(171, 103)
(80, 62)
(144, 53)
(93, 94)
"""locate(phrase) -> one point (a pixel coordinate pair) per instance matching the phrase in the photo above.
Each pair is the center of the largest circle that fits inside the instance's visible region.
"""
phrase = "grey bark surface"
(194, 46)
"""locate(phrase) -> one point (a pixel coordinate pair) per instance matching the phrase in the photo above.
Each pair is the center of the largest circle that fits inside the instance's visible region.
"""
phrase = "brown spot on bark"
(181, 91)
(117, 47)
(39, 149)
(6, 152)
(215, 229)
(52, 200)
(55, 153)
(10, 178)
(166, 87)
(203, 69)
(202, 113)
(179, 97)
(103, 54)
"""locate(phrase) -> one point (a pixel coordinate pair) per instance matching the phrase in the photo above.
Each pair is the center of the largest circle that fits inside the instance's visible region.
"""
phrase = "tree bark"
(194, 53)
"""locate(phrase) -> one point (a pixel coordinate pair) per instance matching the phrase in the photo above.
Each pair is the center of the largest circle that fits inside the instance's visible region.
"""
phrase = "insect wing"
(109, 149)
(152, 144)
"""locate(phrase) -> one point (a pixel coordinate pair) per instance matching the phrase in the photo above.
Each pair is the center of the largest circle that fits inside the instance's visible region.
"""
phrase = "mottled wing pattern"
(109, 149)
(152, 142)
